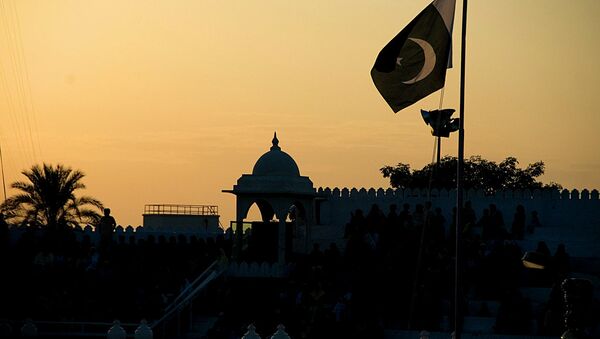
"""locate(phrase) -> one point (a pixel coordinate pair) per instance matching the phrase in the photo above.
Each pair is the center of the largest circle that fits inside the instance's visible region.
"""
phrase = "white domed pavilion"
(279, 191)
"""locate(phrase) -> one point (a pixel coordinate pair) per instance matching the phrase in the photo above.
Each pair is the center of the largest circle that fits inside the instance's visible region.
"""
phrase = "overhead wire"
(28, 91)
(16, 84)
(21, 74)
(8, 79)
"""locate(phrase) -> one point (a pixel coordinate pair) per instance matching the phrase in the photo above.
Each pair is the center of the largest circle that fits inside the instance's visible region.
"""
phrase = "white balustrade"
(143, 331)
(251, 334)
(280, 334)
(116, 331)
(29, 329)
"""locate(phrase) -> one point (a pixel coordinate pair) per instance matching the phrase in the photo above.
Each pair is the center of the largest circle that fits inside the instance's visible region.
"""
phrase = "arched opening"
(260, 233)
(260, 210)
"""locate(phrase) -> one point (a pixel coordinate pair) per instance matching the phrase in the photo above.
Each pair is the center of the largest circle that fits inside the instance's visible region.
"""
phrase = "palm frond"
(49, 198)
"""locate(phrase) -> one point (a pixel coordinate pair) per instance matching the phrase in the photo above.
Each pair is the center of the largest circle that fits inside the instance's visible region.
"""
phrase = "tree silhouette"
(48, 199)
(479, 174)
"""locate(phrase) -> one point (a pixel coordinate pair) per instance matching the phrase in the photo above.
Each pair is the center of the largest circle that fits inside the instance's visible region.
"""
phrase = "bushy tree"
(479, 174)
(48, 199)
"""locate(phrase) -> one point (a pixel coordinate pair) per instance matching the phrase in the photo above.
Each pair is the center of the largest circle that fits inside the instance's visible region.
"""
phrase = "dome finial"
(275, 143)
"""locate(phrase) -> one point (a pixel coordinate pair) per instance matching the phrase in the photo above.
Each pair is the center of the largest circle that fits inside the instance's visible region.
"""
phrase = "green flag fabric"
(413, 65)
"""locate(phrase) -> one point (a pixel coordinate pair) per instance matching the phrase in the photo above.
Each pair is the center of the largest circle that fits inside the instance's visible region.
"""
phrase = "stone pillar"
(281, 235)
(238, 237)
(310, 221)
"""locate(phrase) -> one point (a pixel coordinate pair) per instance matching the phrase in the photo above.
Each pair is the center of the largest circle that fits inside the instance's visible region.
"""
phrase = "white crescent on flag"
(428, 64)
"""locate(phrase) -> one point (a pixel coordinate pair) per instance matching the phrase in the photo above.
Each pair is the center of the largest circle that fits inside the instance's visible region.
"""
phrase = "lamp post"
(442, 124)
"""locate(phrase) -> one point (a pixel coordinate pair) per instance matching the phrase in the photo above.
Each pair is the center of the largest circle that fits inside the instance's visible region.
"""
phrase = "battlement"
(390, 193)
(570, 214)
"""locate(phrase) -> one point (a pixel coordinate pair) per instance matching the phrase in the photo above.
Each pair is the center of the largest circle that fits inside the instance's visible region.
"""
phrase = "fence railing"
(78, 329)
(173, 209)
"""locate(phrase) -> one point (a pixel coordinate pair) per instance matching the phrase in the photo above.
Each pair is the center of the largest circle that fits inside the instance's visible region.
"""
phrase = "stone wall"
(565, 215)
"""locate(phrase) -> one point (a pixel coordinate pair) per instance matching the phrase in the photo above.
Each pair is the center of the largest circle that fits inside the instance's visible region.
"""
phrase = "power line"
(17, 86)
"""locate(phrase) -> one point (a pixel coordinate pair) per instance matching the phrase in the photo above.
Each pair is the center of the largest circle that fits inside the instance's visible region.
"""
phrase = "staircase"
(170, 325)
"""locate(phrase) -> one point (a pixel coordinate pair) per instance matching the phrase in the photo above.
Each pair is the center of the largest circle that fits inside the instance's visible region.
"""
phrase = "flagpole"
(459, 179)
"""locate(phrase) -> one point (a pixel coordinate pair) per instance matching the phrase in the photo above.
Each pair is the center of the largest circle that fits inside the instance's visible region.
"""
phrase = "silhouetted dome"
(276, 162)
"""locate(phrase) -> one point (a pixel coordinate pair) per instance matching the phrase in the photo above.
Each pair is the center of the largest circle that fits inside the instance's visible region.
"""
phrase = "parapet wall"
(577, 211)
(125, 233)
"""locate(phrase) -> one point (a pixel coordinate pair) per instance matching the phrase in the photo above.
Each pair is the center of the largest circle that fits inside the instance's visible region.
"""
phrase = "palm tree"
(48, 199)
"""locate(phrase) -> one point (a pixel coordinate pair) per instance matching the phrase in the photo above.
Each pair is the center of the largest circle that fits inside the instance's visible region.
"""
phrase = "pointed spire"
(275, 143)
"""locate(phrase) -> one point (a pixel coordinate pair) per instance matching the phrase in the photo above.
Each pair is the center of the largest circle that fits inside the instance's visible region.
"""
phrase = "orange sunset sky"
(171, 101)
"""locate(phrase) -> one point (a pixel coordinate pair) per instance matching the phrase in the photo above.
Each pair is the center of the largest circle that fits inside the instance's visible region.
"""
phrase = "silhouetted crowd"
(49, 275)
(396, 271)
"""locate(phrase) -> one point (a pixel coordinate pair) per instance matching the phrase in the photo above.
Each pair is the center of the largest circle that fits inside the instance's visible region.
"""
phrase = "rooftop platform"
(174, 209)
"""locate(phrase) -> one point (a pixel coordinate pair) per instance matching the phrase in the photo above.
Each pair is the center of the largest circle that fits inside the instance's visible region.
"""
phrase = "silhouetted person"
(469, 219)
(106, 226)
(375, 220)
(544, 277)
(485, 224)
(406, 217)
(357, 221)
(534, 223)
(561, 263)
(315, 258)
(419, 216)
(496, 223)
(438, 231)
(518, 225)
(543, 249)
(392, 230)
(332, 257)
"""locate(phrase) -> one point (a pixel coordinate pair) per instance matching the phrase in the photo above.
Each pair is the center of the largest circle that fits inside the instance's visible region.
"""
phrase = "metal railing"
(63, 329)
(186, 291)
(186, 298)
(174, 209)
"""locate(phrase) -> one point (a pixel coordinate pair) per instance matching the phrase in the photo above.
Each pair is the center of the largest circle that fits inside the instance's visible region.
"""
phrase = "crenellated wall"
(573, 215)
(138, 233)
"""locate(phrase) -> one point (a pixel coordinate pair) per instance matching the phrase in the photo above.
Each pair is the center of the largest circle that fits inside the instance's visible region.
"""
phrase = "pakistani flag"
(413, 65)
